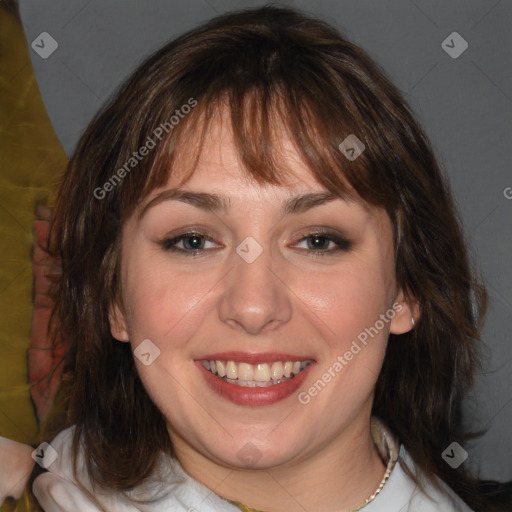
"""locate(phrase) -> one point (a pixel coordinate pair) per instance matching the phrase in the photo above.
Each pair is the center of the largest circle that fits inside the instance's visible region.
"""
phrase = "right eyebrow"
(203, 200)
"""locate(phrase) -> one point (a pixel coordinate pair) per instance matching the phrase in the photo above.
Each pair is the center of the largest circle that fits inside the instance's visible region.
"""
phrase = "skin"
(318, 456)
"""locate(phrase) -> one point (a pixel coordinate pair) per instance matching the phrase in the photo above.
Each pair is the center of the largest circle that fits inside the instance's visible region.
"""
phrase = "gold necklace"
(387, 447)
(389, 468)
(371, 498)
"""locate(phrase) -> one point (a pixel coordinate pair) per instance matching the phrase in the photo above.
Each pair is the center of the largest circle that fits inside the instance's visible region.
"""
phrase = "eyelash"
(169, 244)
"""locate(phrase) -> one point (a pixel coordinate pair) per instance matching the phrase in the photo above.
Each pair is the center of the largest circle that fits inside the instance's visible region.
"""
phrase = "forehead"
(207, 162)
(208, 173)
(214, 163)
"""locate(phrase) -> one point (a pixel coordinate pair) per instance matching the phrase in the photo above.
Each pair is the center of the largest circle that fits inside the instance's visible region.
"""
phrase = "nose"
(256, 298)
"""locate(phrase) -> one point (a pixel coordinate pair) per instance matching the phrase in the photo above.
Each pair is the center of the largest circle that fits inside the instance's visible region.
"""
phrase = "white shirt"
(58, 491)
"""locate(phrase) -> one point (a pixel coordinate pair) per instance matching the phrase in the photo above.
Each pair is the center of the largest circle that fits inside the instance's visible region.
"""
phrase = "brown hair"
(265, 63)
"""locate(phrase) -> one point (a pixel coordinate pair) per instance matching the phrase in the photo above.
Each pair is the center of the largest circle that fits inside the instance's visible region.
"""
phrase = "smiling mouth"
(255, 375)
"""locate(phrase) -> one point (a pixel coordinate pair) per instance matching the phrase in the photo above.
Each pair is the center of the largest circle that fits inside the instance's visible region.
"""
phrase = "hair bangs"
(262, 119)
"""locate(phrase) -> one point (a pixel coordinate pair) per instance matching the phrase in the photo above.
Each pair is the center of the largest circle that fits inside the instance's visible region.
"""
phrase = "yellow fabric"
(31, 162)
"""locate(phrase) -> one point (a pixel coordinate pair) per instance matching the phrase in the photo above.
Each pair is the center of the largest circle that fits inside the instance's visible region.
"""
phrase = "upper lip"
(254, 358)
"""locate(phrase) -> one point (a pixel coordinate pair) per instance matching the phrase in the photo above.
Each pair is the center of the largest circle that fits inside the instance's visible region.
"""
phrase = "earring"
(413, 322)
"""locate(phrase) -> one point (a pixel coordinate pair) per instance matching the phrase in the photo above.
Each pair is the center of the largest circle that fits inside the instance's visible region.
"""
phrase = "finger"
(55, 494)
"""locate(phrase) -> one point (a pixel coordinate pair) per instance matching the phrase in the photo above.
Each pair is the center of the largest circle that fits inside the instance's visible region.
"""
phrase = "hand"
(14, 474)
(56, 494)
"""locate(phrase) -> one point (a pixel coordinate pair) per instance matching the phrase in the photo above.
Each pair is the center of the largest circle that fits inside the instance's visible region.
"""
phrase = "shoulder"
(59, 488)
(402, 494)
(57, 454)
(169, 488)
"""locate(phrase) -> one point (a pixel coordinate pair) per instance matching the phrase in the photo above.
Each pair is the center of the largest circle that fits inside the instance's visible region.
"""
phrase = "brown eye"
(323, 243)
(319, 242)
(193, 243)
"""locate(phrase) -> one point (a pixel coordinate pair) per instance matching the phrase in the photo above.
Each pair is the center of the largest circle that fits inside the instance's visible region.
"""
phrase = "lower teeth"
(254, 383)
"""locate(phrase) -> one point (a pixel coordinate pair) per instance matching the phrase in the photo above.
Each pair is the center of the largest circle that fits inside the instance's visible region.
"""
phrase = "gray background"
(464, 104)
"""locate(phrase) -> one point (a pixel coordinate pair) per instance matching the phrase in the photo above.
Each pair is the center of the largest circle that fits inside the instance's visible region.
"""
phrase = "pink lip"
(253, 396)
(253, 358)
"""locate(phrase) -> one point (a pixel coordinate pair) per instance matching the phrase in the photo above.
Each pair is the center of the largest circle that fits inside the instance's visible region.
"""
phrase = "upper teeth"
(262, 372)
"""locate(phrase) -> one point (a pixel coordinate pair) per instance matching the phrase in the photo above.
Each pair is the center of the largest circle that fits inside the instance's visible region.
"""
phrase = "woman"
(265, 290)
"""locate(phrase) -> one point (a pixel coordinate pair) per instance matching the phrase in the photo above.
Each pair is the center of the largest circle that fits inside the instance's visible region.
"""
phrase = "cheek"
(350, 305)
(160, 298)
(349, 301)
(359, 317)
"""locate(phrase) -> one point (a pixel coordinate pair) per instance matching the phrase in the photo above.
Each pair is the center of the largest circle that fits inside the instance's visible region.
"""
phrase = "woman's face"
(256, 297)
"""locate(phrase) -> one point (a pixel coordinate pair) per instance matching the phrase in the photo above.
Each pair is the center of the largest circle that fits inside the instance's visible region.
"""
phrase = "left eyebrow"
(216, 202)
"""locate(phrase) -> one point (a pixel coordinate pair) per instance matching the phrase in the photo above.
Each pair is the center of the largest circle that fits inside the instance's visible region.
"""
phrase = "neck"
(340, 475)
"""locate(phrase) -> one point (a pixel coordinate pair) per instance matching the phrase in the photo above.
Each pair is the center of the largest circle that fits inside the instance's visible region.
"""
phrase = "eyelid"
(190, 230)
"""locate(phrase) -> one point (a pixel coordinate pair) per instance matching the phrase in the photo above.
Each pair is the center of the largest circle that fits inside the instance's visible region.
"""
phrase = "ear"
(117, 321)
(407, 310)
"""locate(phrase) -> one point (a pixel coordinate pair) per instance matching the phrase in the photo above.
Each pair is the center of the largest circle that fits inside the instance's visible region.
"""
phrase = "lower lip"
(253, 396)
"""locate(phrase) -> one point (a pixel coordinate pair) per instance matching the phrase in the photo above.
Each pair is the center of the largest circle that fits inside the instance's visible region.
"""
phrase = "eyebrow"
(217, 202)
